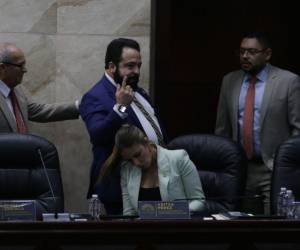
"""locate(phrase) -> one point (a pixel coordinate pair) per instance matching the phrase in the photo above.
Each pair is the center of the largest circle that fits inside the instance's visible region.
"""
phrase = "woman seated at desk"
(151, 172)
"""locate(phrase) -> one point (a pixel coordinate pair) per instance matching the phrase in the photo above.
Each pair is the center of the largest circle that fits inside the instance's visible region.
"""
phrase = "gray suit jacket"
(178, 179)
(34, 112)
(280, 110)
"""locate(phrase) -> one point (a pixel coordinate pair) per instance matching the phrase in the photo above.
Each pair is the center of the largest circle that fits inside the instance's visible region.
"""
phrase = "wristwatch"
(122, 108)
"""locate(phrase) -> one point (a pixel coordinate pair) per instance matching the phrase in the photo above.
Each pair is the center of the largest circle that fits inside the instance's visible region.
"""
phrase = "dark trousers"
(258, 188)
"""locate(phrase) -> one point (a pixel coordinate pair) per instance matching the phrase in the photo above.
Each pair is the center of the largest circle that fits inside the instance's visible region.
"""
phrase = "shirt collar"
(262, 76)
(112, 81)
(4, 89)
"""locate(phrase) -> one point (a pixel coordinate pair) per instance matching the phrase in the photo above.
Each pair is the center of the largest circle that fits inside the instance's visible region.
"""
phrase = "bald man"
(15, 108)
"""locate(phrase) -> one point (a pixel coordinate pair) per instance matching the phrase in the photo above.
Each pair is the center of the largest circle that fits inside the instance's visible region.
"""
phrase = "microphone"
(49, 182)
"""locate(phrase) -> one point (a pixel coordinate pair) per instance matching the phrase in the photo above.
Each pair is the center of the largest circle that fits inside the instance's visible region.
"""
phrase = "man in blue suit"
(116, 99)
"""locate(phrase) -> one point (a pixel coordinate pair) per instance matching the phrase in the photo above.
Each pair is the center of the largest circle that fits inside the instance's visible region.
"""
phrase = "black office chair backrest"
(221, 164)
(22, 176)
(286, 171)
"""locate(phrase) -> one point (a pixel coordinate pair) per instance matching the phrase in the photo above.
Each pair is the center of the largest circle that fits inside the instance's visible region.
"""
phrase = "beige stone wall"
(64, 42)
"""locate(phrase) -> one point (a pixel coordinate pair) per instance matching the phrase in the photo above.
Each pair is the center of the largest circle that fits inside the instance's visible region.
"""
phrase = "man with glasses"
(15, 108)
(259, 107)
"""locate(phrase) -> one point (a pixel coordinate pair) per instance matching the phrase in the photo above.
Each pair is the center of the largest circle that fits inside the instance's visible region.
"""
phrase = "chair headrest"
(23, 149)
(216, 151)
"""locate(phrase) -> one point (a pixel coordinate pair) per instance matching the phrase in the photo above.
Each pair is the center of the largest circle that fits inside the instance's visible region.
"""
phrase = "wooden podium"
(53, 235)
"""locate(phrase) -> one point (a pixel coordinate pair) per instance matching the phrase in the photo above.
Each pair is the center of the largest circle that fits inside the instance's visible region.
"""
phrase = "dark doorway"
(193, 45)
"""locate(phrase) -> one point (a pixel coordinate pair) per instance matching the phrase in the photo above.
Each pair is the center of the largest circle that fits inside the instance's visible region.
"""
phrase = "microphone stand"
(48, 216)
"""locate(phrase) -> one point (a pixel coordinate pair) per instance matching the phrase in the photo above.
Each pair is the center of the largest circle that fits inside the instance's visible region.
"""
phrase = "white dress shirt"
(145, 123)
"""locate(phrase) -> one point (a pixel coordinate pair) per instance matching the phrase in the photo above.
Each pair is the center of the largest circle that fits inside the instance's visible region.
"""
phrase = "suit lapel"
(134, 183)
(235, 103)
(267, 96)
(133, 118)
(163, 173)
(7, 114)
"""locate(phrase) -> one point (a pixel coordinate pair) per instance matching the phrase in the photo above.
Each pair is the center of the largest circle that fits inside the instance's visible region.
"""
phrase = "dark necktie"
(249, 119)
(150, 120)
(16, 108)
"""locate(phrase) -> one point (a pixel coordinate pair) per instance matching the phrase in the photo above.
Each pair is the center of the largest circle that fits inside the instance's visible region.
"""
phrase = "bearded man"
(114, 100)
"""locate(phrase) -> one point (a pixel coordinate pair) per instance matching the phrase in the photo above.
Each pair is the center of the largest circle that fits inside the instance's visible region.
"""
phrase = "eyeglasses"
(22, 65)
(251, 52)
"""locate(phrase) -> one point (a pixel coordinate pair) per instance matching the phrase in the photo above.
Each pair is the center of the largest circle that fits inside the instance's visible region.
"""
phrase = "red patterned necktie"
(249, 119)
(16, 108)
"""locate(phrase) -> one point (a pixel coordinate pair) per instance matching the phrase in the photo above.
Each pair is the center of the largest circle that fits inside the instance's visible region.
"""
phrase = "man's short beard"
(132, 81)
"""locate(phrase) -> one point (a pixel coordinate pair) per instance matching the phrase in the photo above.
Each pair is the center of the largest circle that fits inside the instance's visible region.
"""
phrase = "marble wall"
(64, 42)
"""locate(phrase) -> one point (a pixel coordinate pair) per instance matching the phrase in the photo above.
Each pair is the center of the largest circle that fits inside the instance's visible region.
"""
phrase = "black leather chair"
(286, 171)
(22, 176)
(221, 164)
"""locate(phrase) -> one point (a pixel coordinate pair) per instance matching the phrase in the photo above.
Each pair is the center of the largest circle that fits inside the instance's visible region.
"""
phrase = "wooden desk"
(144, 232)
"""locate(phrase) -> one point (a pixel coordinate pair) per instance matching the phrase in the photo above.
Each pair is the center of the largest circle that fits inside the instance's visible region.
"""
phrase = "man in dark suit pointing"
(116, 99)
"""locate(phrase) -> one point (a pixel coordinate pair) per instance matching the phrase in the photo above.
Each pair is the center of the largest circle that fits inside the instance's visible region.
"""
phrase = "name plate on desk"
(157, 210)
(17, 210)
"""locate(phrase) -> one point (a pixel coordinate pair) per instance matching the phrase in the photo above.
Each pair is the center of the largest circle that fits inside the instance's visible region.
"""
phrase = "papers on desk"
(58, 217)
(231, 215)
(220, 217)
(235, 215)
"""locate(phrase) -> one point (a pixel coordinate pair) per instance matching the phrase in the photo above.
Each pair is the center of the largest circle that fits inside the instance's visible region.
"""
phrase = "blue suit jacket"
(102, 122)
